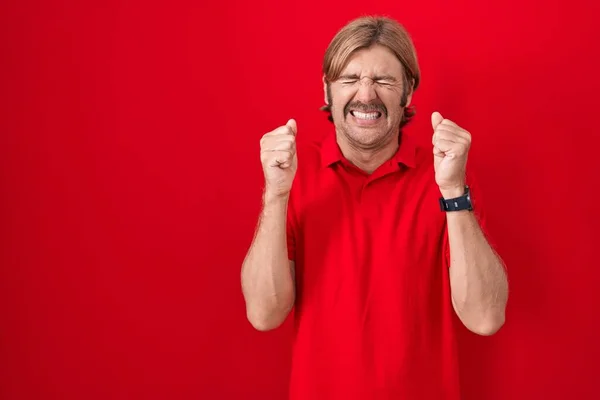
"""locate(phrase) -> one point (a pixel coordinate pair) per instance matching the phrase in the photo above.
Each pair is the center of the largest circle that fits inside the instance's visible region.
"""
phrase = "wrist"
(275, 199)
(452, 192)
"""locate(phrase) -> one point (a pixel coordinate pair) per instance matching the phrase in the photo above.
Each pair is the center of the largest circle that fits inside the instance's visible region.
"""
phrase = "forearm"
(477, 277)
(267, 278)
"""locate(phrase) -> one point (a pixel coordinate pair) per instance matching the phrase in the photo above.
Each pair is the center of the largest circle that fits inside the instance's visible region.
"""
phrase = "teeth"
(360, 115)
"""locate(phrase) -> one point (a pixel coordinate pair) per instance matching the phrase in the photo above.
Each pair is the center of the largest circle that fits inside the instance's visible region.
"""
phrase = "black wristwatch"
(458, 203)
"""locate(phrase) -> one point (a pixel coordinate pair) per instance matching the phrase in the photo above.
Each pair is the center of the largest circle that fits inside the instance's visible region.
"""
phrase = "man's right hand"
(279, 160)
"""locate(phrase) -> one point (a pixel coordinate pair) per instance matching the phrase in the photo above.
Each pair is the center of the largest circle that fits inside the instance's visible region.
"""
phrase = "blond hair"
(365, 32)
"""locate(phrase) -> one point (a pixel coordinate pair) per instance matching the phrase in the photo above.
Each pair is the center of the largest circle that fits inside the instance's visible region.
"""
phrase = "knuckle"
(290, 144)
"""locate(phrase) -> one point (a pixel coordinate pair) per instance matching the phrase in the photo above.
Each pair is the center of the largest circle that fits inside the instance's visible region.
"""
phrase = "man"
(374, 240)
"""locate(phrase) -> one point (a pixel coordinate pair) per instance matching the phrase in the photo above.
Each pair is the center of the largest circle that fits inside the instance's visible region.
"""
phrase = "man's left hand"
(451, 146)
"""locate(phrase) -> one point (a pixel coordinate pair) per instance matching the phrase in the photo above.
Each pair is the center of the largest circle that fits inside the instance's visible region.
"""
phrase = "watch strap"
(458, 203)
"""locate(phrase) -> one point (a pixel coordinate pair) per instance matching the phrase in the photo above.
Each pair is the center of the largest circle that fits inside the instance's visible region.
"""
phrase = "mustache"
(362, 107)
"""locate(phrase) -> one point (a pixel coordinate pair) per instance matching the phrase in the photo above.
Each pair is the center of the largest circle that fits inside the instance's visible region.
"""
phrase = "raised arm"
(478, 281)
(267, 274)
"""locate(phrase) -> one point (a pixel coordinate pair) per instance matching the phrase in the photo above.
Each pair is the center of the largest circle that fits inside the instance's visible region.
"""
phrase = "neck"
(368, 158)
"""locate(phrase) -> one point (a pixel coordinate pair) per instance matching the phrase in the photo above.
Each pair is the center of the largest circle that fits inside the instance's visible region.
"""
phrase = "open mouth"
(368, 116)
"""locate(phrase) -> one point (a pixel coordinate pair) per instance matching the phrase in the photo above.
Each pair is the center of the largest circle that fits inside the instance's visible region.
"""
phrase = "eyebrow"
(349, 76)
(375, 78)
(385, 78)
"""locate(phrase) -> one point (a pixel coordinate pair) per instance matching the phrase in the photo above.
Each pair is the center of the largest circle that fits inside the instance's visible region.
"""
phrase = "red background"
(131, 183)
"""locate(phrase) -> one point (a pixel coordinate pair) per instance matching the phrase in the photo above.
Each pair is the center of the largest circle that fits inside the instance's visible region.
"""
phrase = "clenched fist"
(279, 160)
(451, 145)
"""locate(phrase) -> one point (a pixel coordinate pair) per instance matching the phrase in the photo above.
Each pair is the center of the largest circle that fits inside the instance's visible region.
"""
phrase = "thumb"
(436, 119)
(294, 127)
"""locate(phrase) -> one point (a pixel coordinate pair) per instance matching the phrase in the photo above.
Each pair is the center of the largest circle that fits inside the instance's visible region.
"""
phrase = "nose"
(366, 90)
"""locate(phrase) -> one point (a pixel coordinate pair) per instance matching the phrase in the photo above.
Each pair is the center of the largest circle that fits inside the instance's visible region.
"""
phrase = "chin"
(366, 137)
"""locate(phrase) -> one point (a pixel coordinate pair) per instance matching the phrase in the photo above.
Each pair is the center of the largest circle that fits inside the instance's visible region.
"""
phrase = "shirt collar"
(331, 153)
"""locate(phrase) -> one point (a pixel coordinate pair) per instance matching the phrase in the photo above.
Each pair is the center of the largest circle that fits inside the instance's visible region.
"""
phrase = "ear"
(325, 90)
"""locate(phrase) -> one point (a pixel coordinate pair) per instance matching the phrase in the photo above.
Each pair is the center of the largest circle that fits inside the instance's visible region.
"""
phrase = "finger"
(277, 158)
(437, 152)
(282, 159)
(282, 130)
(444, 145)
(451, 125)
(448, 122)
(436, 119)
(457, 132)
(274, 143)
(443, 132)
(293, 126)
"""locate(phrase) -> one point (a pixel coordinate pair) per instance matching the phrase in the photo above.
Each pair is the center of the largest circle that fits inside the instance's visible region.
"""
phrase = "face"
(366, 99)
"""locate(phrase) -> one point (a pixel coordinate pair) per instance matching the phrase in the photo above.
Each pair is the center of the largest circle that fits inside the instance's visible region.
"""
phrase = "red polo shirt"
(373, 315)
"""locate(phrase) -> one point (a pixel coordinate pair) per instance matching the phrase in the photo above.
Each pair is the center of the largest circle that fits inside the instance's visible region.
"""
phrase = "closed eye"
(348, 79)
